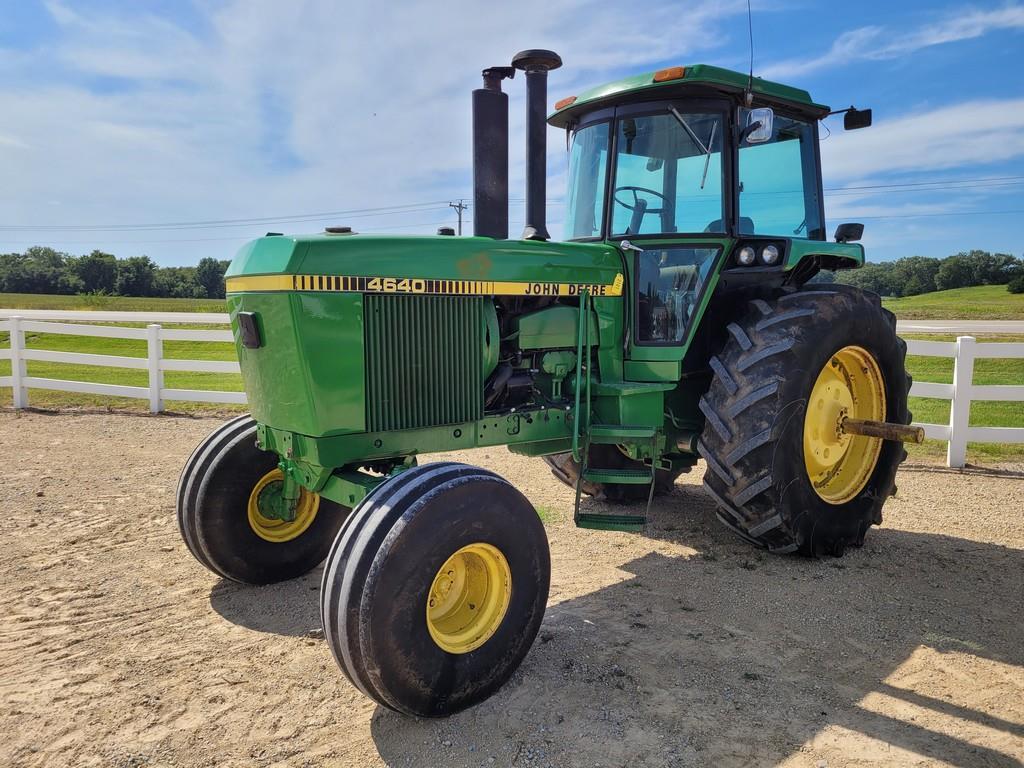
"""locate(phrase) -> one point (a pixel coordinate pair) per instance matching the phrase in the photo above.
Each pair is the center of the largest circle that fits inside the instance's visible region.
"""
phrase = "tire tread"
(745, 418)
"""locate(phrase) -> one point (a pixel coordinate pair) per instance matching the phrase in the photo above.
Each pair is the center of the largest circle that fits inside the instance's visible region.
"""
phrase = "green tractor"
(676, 322)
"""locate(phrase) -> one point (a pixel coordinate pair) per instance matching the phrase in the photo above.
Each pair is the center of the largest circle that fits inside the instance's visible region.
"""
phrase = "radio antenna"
(750, 80)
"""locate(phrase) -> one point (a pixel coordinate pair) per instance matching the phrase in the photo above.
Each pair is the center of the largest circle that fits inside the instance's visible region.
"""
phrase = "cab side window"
(779, 182)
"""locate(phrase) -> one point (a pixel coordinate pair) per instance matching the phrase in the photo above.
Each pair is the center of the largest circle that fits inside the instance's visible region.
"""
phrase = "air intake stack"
(536, 64)
(490, 155)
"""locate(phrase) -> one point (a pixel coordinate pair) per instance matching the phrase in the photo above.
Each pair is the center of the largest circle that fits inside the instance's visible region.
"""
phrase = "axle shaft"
(884, 430)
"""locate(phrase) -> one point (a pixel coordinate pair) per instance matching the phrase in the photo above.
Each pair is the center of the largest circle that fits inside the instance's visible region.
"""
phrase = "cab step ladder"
(585, 434)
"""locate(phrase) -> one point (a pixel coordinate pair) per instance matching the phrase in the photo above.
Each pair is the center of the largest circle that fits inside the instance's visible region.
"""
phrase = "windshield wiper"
(707, 155)
(705, 149)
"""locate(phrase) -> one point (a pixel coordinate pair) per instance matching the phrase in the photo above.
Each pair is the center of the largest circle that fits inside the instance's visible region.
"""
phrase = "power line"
(239, 239)
(934, 186)
(439, 205)
(425, 224)
(928, 183)
(214, 223)
(952, 214)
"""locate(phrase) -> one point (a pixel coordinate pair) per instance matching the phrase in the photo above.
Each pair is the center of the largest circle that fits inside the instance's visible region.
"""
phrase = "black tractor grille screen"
(424, 360)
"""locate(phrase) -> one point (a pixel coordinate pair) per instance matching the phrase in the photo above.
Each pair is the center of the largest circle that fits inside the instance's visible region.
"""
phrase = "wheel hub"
(832, 402)
(849, 385)
(269, 515)
(468, 598)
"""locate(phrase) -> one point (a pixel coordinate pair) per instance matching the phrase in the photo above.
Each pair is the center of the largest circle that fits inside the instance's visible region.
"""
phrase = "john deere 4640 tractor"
(675, 322)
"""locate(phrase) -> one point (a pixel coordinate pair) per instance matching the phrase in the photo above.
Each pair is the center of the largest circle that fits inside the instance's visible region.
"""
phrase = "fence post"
(960, 407)
(18, 369)
(154, 353)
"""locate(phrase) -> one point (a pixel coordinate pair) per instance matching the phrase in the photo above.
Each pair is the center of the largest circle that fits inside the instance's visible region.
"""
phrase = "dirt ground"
(680, 646)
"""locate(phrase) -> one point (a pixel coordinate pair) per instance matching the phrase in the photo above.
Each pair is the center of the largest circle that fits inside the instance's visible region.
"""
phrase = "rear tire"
(567, 469)
(381, 576)
(213, 512)
(754, 437)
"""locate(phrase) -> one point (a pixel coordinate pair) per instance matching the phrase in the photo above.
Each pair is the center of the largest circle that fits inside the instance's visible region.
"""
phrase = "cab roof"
(675, 81)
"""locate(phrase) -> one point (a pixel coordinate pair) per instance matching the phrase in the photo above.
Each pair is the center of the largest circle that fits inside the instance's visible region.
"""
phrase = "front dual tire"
(435, 589)
(222, 508)
(435, 585)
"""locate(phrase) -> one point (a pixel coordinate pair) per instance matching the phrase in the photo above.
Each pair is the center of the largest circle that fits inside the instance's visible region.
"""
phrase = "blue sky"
(119, 116)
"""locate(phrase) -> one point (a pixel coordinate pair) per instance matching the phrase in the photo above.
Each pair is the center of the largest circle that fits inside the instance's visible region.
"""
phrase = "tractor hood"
(433, 258)
(342, 334)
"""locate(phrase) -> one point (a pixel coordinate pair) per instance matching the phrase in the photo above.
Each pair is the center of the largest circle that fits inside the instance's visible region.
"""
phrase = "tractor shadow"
(705, 651)
(291, 608)
(701, 650)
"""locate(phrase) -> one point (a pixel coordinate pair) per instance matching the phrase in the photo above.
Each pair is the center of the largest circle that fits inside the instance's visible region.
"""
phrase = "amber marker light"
(670, 73)
(562, 103)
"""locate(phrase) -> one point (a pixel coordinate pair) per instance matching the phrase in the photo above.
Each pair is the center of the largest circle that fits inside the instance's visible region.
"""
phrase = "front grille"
(424, 360)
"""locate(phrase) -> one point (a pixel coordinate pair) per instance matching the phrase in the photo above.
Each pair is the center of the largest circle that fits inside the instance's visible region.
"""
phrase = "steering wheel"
(636, 198)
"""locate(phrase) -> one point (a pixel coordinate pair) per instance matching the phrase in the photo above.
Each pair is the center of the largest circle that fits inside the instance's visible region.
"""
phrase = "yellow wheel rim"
(850, 385)
(280, 531)
(468, 598)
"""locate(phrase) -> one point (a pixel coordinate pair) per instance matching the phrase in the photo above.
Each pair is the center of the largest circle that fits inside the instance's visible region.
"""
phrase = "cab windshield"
(667, 176)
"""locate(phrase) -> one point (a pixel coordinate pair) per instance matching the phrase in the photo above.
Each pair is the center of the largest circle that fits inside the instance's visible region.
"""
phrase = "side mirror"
(759, 126)
(856, 118)
(849, 233)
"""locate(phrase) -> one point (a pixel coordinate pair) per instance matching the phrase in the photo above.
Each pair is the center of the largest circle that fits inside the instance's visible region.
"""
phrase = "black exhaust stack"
(490, 155)
(536, 64)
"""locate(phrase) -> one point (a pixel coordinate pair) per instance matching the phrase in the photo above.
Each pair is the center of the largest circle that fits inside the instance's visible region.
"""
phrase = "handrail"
(584, 328)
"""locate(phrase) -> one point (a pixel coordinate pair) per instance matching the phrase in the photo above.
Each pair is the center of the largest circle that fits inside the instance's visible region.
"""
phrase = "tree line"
(44, 270)
(914, 275)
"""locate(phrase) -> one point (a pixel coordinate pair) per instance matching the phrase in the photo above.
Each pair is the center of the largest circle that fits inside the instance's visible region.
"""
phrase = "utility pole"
(459, 207)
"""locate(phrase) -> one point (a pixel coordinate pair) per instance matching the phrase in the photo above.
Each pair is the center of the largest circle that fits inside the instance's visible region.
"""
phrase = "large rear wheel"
(228, 504)
(784, 473)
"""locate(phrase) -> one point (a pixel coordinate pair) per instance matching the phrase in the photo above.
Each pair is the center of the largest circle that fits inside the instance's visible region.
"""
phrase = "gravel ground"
(681, 646)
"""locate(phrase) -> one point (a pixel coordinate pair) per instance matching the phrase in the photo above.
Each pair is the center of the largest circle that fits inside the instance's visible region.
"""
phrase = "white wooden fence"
(964, 351)
(154, 363)
(957, 433)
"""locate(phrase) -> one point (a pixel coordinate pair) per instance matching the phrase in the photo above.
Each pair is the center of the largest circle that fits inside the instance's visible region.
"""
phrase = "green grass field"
(108, 303)
(983, 302)
(932, 369)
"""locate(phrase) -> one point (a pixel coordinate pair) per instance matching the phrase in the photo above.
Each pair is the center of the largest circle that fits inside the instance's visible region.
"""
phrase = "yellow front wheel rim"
(469, 598)
(275, 530)
(850, 385)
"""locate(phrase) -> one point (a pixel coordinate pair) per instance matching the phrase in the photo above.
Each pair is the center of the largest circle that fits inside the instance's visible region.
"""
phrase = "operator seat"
(746, 226)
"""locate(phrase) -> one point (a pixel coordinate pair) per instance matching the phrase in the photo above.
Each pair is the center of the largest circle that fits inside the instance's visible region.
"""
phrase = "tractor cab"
(687, 161)
(684, 169)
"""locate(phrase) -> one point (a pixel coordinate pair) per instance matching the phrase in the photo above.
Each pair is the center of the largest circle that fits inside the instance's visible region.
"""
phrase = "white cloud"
(274, 109)
(876, 43)
(10, 141)
(61, 13)
(968, 134)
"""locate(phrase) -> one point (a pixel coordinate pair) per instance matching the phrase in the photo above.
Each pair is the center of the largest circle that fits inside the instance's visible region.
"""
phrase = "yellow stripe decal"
(418, 285)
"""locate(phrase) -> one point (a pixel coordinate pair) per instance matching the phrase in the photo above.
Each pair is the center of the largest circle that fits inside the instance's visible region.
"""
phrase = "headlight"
(745, 256)
(769, 254)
